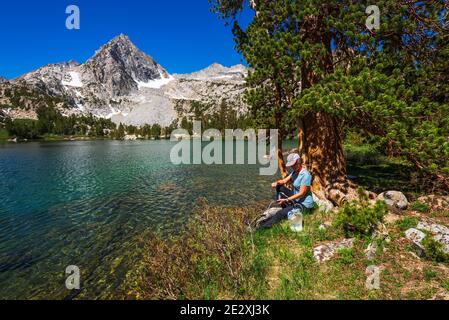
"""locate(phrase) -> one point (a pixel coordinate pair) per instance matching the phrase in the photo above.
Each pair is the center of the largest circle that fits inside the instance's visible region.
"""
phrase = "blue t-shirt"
(303, 178)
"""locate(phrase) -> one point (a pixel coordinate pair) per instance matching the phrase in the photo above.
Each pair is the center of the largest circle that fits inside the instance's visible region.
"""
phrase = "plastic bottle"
(296, 220)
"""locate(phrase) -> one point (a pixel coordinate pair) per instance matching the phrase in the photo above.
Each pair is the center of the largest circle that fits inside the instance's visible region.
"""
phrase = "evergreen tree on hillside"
(317, 68)
(120, 133)
(156, 131)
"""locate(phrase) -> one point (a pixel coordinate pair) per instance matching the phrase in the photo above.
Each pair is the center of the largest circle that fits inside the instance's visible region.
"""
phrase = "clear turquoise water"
(89, 203)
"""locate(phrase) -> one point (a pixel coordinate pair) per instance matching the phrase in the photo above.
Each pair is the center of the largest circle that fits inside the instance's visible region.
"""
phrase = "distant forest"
(51, 122)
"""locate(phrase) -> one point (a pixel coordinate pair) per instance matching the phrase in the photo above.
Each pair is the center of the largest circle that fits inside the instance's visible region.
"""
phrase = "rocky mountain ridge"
(124, 84)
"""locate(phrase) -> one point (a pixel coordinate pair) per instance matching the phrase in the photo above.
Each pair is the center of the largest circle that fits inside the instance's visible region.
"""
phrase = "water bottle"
(296, 220)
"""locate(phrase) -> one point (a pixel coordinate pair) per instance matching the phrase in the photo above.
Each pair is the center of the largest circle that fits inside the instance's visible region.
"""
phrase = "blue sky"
(181, 35)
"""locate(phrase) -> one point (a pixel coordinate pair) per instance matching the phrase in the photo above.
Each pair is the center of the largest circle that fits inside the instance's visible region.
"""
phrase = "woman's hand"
(274, 185)
(283, 201)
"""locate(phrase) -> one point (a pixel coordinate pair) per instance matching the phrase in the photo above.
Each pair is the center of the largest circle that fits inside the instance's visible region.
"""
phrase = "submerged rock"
(325, 252)
(394, 199)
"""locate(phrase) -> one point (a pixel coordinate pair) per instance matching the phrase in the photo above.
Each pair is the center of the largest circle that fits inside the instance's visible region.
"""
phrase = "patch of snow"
(75, 80)
(155, 84)
(80, 107)
(115, 112)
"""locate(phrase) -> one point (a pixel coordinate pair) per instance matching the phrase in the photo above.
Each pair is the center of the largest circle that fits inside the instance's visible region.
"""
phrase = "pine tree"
(316, 67)
(120, 133)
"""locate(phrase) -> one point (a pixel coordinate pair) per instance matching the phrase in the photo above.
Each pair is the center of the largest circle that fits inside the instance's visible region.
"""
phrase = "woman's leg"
(281, 215)
(282, 193)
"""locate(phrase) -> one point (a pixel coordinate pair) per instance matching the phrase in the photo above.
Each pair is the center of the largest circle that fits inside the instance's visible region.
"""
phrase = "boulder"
(436, 203)
(130, 137)
(439, 231)
(416, 237)
(394, 199)
(324, 205)
(370, 252)
(444, 240)
(432, 228)
(326, 251)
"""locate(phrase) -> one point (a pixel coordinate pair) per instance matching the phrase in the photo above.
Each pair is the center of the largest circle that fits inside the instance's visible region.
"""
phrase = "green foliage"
(120, 133)
(445, 285)
(4, 134)
(363, 154)
(407, 223)
(156, 131)
(310, 57)
(434, 250)
(213, 255)
(345, 256)
(220, 117)
(429, 274)
(360, 218)
(52, 122)
(420, 207)
(407, 124)
(23, 128)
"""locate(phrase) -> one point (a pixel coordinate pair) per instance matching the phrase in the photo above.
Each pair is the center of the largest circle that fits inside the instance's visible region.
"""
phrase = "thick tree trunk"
(281, 162)
(325, 158)
(320, 136)
(302, 142)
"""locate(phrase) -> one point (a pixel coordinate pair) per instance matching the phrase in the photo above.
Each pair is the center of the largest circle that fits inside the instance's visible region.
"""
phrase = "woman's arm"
(302, 192)
(281, 182)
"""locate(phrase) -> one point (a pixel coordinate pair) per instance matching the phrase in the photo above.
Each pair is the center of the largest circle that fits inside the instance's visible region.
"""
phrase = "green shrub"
(363, 154)
(429, 274)
(445, 285)
(420, 207)
(209, 259)
(345, 256)
(4, 135)
(434, 250)
(23, 128)
(360, 218)
(407, 223)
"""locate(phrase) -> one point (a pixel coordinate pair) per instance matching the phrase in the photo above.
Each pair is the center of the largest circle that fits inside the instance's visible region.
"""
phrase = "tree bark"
(320, 135)
(326, 161)
(302, 143)
(281, 162)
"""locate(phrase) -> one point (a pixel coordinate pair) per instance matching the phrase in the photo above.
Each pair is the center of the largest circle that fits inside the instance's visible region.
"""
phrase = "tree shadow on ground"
(384, 176)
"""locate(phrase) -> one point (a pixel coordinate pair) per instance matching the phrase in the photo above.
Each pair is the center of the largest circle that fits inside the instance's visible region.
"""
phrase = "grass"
(420, 207)
(430, 274)
(375, 172)
(407, 223)
(217, 258)
(4, 135)
(445, 285)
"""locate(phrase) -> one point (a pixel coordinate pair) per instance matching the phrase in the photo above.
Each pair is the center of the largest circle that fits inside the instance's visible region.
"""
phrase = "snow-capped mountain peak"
(125, 84)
